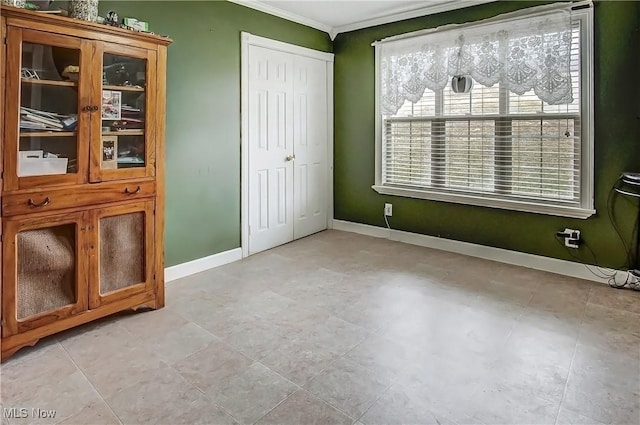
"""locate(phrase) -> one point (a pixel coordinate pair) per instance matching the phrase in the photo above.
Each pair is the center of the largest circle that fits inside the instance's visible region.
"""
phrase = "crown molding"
(407, 13)
(393, 15)
(275, 11)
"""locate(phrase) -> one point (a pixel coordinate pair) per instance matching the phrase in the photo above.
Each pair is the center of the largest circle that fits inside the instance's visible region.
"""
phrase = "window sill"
(531, 207)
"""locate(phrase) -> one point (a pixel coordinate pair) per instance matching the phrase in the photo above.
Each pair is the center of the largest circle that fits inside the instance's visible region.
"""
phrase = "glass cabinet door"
(43, 270)
(125, 146)
(124, 244)
(44, 129)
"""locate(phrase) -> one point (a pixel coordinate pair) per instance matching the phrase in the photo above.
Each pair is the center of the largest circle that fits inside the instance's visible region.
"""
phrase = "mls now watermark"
(28, 413)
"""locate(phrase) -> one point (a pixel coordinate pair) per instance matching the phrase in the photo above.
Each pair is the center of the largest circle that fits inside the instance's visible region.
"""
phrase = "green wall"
(203, 130)
(617, 144)
(203, 114)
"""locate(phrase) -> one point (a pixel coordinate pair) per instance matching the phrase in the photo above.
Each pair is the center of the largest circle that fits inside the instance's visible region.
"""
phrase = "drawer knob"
(128, 192)
(44, 203)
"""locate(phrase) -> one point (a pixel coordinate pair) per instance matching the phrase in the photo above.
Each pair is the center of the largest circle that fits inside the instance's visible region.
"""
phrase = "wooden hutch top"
(26, 18)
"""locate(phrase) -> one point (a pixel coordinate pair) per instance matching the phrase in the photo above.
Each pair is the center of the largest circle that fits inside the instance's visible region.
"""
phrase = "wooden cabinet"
(45, 267)
(82, 150)
(122, 252)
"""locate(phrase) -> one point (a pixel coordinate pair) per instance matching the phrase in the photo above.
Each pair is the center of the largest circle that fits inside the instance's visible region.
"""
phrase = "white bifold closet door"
(287, 141)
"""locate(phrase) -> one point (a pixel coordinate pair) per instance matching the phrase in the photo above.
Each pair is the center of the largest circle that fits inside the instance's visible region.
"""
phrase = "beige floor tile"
(215, 364)
(500, 403)
(401, 405)
(20, 380)
(196, 307)
(350, 387)
(165, 397)
(178, 343)
(335, 334)
(29, 353)
(604, 386)
(305, 284)
(622, 299)
(110, 357)
(56, 400)
(555, 311)
(379, 352)
(441, 325)
(251, 394)
(298, 319)
(350, 261)
(302, 408)
(380, 305)
(554, 285)
(262, 268)
(95, 413)
(222, 320)
(332, 298)
(570, 417)
(504, 297)
(299, 360)
(264, 303)
(439, 386)
(375, 331)
(537, 359)
(150, 324)
(255, 338)
(94, 344)
(611, 329)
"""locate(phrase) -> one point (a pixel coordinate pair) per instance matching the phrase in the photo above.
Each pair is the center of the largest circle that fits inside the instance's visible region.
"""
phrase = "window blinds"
(498, 141)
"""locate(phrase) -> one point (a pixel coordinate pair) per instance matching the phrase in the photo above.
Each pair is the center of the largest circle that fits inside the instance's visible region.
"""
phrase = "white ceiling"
(340, 13)
(338, 16)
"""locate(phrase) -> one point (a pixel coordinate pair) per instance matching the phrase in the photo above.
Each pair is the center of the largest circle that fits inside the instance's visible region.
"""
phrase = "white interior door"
(285, 143)
(270, 143)
(310, 146)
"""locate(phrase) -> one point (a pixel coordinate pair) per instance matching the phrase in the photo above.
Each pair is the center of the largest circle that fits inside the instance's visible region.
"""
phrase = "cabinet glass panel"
(122, 262)
(46, 269)
(48, 110)
(123, 112)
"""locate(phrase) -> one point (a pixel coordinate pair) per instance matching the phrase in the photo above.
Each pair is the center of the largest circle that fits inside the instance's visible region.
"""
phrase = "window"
(495, 146)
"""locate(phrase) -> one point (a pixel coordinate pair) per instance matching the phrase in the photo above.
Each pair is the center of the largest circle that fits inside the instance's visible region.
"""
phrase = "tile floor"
(339, 328)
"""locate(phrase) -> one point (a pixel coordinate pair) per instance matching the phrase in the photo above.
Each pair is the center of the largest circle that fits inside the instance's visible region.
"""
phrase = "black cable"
(610, 211)
(597, 263)
(610, 276)
(611, 281)
(615, 226)
(581, 261)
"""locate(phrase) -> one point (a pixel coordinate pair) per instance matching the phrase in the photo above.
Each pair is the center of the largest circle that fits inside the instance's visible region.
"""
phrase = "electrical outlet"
(572, 238)
(388, 210)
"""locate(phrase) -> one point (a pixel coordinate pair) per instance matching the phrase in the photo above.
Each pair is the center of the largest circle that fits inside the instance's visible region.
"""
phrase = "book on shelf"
(36, 126)
(47, 121)
(24, 109)
(129, 108)
(35, 119)
(70, 122)
(132, 131)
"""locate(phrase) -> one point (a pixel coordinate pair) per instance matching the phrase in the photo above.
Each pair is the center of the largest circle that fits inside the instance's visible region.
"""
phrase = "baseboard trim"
(202, 264)
(538, 262)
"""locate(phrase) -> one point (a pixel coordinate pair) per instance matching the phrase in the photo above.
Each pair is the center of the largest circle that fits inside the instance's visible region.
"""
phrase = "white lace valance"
(524, 54)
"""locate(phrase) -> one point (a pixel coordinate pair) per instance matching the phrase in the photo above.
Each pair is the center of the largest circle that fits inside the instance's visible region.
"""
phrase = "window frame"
(492, 200)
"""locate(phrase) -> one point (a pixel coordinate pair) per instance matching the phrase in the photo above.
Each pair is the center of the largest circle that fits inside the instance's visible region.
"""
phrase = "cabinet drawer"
(75, 196)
